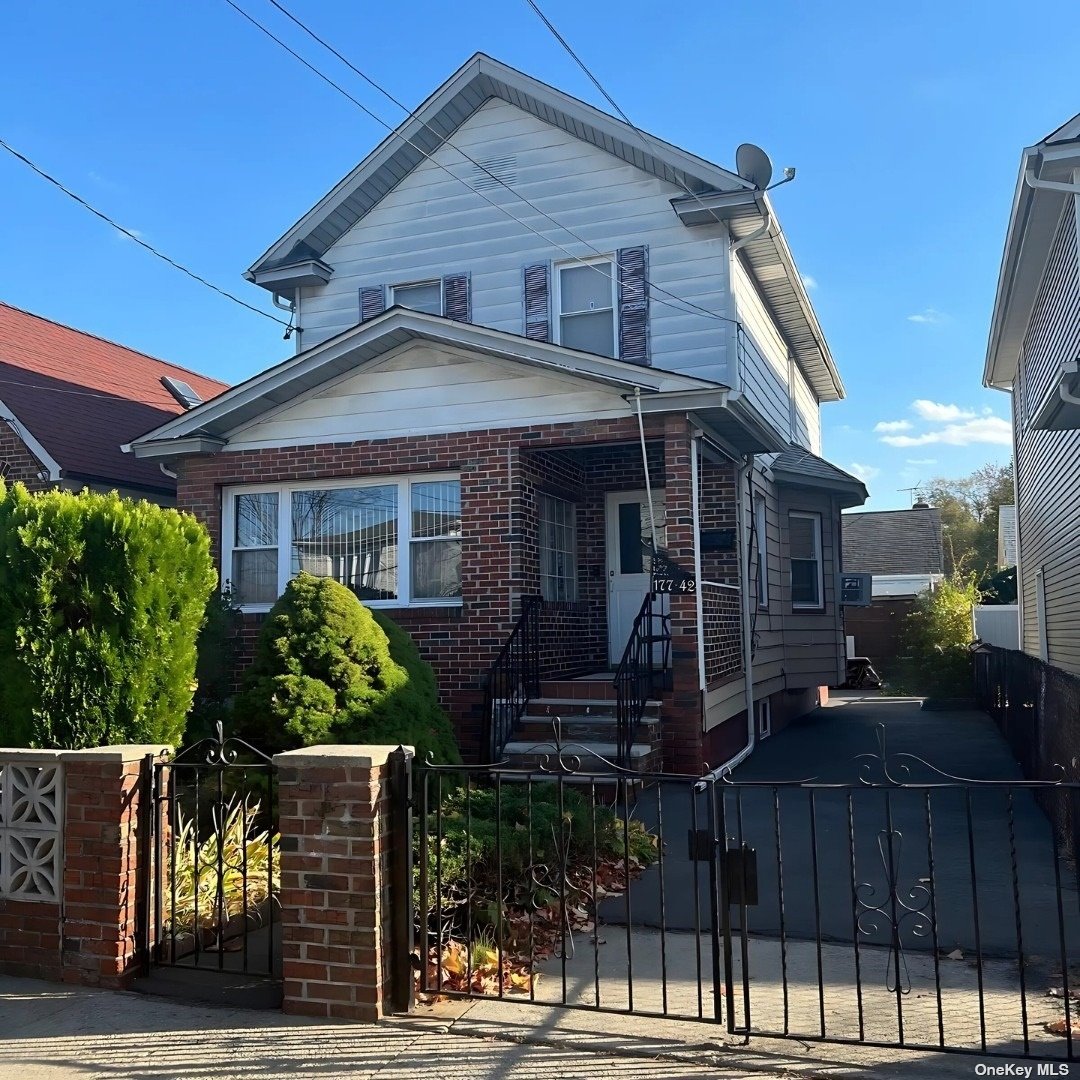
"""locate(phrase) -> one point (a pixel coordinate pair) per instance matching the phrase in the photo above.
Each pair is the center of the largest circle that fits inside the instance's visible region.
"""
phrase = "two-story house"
(555, 405)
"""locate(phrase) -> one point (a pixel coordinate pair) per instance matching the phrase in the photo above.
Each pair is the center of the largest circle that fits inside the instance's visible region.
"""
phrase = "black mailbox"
(717, 540)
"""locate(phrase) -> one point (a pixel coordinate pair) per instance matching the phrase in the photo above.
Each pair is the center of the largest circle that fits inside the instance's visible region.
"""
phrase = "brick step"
(593, 755)
(569, 708)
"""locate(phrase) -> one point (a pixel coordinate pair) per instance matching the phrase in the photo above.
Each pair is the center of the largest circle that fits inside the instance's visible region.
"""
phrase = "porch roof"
(798, 467)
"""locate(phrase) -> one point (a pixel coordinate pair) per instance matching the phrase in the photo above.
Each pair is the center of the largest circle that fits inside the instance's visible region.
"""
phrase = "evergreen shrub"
(328, 670)
(101, 600)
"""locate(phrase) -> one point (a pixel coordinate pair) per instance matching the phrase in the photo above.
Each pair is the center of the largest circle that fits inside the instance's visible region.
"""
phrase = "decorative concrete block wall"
(69, 863)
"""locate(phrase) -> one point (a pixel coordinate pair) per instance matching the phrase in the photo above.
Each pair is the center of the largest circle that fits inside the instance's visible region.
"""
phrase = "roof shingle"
(893, 542)
(82, 397)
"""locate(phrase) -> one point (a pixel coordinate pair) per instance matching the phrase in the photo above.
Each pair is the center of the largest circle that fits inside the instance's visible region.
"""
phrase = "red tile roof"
(82, 397)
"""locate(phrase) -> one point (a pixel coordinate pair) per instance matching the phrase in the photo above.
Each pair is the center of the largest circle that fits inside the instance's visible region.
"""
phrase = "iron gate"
(210, 892)
(906, 908)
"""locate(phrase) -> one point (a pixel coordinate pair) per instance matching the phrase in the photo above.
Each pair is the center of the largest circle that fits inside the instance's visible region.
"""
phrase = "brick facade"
(18, 463)
(502, 472)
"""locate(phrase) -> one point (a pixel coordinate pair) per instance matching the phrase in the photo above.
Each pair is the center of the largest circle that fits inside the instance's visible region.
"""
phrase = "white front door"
(629, 562)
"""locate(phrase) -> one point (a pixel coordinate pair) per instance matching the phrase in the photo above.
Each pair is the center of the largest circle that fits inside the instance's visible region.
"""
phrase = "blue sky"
(905, 123)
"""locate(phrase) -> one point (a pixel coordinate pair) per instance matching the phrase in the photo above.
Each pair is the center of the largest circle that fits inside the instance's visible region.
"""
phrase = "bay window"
(804, 544)
(394, 542)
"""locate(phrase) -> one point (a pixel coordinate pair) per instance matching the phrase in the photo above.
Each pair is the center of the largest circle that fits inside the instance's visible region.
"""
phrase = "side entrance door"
(629, 561)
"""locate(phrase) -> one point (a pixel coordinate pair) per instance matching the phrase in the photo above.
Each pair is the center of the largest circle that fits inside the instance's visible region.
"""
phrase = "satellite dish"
(753, 164)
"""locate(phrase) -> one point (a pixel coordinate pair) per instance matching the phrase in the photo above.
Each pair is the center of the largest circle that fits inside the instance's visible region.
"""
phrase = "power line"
(614, 104)
(687, 306)
(133, 236)
(87, 393)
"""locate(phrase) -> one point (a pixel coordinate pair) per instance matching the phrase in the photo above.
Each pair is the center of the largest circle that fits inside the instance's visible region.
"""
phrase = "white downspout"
(645, 466)
(757, 234)
(742, 512)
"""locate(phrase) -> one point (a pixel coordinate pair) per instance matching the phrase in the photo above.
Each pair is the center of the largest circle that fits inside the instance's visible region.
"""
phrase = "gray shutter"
(372, 302)
(537, 302)
(457, 297)
(634, 304)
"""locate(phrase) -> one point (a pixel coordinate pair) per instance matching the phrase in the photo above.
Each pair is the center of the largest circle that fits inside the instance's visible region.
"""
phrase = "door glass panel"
(631, 553)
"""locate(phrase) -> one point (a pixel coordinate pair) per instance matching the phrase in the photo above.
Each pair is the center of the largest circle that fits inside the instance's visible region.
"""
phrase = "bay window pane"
(436, 569)
(350, 535)
(254, 577)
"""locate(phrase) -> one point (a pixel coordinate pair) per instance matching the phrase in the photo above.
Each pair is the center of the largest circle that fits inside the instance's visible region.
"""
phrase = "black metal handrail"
(635, 679)
(513, 679)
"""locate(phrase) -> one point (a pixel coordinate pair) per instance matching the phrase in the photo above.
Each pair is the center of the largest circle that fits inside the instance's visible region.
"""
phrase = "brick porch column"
(99, 939)
(337, 908)
(682, 720)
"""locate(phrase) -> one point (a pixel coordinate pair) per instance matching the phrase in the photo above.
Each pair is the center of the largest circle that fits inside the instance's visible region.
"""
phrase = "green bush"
(101, 600)
(327, 671)
(936, 638)
(218, 658)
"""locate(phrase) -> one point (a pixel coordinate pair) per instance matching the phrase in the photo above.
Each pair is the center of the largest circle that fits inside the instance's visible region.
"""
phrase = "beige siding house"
(1033, 354)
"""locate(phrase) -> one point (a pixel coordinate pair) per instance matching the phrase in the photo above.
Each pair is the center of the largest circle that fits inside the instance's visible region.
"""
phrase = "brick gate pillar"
(337, 901)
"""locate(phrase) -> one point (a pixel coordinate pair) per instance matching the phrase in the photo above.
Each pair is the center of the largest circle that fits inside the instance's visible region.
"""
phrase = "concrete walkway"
(63, 1033)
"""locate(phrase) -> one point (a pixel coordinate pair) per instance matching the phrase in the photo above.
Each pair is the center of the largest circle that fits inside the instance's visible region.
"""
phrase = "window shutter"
(372, 302)
(634, 304)
(457, 297)
(537, 302)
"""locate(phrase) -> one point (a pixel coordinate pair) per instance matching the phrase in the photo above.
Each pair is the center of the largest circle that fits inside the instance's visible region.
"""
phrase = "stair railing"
(514, 679)
(635, 679)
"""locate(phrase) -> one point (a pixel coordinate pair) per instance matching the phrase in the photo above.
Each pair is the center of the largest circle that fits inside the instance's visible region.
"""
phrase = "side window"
(761, 549)
(804, 546)
(558, 548)
(418, 296)
(586, 306)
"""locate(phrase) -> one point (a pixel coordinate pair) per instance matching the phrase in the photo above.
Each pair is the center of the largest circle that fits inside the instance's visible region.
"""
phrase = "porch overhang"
(797, 467)
(725, 413)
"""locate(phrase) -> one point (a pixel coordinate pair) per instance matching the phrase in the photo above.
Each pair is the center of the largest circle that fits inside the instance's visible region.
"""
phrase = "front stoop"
(585, 713)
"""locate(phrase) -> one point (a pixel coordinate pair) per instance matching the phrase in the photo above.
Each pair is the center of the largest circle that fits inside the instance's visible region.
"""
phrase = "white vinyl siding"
(395, 541)
(558, 548)
(424, 389)
(431, 225)
(804, 554)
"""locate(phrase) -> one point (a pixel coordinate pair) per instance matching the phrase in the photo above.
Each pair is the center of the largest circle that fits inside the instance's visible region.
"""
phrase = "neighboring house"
(903, 551)
(68, 400)
(1006, 549)
(480, 414)
(1034, 353)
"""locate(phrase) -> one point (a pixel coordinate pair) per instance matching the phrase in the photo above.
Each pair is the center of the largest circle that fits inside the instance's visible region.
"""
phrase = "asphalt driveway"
(966, 859)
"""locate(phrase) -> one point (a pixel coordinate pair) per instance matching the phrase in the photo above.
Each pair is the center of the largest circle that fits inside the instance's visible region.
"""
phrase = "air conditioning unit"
(856, 590)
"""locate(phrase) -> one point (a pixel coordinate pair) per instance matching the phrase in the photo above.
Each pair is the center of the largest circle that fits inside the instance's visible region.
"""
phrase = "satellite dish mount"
(753, 165)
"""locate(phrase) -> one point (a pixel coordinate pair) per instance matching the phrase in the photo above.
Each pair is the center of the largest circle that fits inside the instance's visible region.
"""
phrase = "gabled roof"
(207, 426)
(300, 251)
(1033, 220)
(800, 468)
(893, 542)
(79, 397)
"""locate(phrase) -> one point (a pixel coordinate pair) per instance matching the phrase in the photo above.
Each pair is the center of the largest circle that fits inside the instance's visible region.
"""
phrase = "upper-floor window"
(804, 547)
(586, 305)
(558, 548)
(418, 296)
(762, 551)
(394, 542)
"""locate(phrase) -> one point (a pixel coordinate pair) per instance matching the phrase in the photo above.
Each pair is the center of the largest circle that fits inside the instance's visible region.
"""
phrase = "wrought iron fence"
(211, 899)
(1037, 709)
(646, 657)
(894, 905)
(513, 679)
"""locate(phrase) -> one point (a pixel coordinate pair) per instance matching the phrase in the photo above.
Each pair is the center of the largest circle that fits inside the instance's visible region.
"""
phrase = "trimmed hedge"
(101, 600)
(328, 670)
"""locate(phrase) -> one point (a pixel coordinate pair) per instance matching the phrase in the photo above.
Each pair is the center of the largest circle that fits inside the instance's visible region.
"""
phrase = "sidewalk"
(60, 1033)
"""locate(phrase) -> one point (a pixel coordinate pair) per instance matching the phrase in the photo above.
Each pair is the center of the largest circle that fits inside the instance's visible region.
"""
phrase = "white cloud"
(922, 461)
(940, 414)
(885, 427)
(809, 282)
(928, 315)
(983, 429)
(865, 473)
(124, 239)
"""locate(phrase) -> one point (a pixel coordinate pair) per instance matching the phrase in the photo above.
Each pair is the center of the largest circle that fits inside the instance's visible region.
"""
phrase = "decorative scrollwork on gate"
(900, 910)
